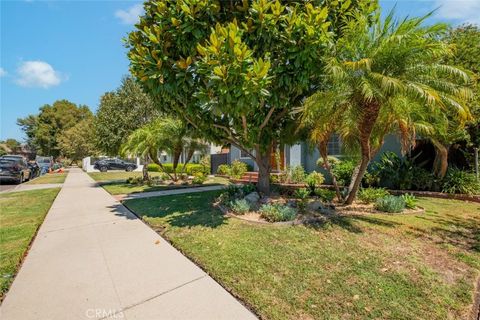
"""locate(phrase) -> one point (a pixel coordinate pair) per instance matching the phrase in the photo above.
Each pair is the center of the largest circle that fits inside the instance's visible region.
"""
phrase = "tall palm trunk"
(369, 117)
(145, 169)
(154, 157)
(322, 148)
(190, 153)
(440, 164)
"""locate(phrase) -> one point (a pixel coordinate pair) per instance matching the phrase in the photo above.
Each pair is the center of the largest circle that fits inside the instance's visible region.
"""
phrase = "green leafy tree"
(163, 135)
(120, 113)
(29, 125)
(13, 145)
(371, 65)
(78, 142)
(44, 129)
(466, 40)
(234, 70)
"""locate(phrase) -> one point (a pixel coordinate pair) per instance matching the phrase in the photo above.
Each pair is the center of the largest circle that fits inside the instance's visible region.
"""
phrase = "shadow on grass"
(351, 223)
(452, 230)
(183, 210)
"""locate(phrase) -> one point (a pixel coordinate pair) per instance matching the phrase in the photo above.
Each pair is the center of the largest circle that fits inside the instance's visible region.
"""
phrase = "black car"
(114, 164)
(34, 169)
(14, 168)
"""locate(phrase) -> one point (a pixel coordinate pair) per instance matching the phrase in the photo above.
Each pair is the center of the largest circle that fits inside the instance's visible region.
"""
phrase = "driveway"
(93, 259)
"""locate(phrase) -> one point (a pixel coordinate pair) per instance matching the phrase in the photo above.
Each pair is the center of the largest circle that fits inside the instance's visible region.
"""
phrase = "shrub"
(190, 168)
(391, 204)
(224, 170)
(343, 171)
(248, 188)
(410, 201)
(370, 195)
(238, 169)
(314, 180)
(156, 180)
(153, 167)
(295, 174)
(423, 180)
(459, 181)
(331, 160)
(325, 195)
(277, 212)
(135, 180)
(199, 178)
(302, 195)
(275, 178)
(240, 206)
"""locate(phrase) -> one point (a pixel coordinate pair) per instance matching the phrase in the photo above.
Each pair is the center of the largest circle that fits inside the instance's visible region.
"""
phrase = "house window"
(243, 154)
(334, 145)
(164, 158)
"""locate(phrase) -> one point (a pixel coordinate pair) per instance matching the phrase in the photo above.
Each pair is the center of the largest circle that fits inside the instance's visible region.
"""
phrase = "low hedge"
(191, 168)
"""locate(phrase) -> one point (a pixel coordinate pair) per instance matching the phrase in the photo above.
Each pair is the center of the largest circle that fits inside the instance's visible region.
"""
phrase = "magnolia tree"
(234, 70)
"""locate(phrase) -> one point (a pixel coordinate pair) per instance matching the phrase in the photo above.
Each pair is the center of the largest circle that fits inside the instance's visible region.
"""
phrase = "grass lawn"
(49, 178)
(117, 175)
(114, 182)
(21, 215)
(365, 267)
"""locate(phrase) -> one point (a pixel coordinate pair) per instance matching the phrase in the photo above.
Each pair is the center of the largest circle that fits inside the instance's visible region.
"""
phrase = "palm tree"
(375, 63)
(163, 135)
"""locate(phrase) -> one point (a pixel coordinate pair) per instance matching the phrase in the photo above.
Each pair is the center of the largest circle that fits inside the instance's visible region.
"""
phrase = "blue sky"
(72, 50)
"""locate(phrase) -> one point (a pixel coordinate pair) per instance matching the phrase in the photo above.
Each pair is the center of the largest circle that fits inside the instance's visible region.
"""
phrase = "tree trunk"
(322, 148)
(263, 162)
(369, 117)
(145, 170)
(155, 160)
(190, 153)
(441, 159)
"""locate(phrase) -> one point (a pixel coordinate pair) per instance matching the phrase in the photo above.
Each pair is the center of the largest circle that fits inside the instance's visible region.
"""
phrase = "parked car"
(114, 164)
(45, 163)
(34, 169)
(13, 167)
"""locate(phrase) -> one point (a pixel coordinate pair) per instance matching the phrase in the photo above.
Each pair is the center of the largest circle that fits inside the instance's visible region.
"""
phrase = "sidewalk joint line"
(155, 296)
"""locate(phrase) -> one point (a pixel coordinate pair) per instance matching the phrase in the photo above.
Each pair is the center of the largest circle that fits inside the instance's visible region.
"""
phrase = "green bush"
(190, 168)
(410, 201)
(248, 188)
(199, 178)
(240, 206)
(238, 169)
(277, 212)
(302, 196)
(295, 174)
(224, 170)
(391, 204)
(343, 171)
(135, 180)
(370, 195)
(314, 180)
(325, 195)
(459, 181)
(153, 167)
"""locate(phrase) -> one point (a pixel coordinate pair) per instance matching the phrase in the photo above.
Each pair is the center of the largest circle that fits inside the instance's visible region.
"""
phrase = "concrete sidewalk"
(141, 195)
(92, 259)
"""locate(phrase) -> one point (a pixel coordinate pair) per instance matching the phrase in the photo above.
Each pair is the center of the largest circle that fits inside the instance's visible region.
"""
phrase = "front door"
(277, 159)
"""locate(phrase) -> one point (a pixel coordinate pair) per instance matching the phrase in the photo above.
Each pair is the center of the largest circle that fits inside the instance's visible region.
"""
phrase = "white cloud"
(461, 11)
(3, 73)
(130, 16)
(37, 74)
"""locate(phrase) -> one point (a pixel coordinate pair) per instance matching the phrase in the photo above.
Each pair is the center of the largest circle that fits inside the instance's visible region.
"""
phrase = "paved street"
(93, 259)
